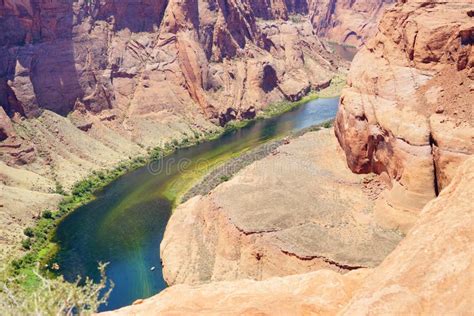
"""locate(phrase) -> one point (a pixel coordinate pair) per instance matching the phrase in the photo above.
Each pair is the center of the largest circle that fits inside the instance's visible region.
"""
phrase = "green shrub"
(26, 243)
(47, 214)
(327, 124)
(225, 178)
(59, 189)
(29, 232)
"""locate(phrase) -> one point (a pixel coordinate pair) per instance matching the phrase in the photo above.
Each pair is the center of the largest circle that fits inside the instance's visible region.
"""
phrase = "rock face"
(296, 211)
(407, 111)
(347, 22)
(133, 54)
(292, 295)
(429, 272)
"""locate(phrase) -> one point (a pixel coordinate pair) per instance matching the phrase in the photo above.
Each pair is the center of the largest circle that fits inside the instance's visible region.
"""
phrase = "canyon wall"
(347, 22)
(407, 111)
(144, 72)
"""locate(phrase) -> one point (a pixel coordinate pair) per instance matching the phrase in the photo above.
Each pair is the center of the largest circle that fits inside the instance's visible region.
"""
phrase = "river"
(124, 225)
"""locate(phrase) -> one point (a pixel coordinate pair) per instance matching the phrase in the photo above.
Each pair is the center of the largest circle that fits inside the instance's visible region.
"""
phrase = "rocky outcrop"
(407, 111)
(347, 22)
(297, 210)
(429, 272)
(292, 295)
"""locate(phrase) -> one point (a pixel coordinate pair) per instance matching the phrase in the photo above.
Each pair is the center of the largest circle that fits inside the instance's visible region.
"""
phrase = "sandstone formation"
(430, 272)
(295, 211)
(347, 22)
(291, 295)
(407, 113)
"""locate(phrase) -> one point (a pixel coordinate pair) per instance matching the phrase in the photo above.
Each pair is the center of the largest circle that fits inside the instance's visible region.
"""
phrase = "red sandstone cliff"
(135, 65)
(347, 22)
(407, 111)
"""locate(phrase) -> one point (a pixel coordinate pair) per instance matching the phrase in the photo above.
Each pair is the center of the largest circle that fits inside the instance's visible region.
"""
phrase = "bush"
(225, 178)
(51, 296)
(29, 232)
(59, 189)
(327, 124)
(26, 243)
(47, 214)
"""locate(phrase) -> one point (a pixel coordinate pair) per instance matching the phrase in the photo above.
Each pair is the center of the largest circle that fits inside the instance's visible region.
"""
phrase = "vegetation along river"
(124, 225)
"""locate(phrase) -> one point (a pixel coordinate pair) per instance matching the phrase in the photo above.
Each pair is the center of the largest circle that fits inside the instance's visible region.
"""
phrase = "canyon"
(85, 85)
(369, 216)
(404, 128)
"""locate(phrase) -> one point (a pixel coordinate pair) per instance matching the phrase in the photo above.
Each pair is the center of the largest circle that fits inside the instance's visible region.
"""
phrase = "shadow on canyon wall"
(37, 63)
(47, 58)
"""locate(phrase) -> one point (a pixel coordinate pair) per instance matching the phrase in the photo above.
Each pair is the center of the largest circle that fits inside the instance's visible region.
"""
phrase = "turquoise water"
(124, 225)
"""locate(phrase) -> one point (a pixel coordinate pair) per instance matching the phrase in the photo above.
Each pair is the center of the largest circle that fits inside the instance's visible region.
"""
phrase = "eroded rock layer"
(347, 22)
(407, 113)
(298, 210)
